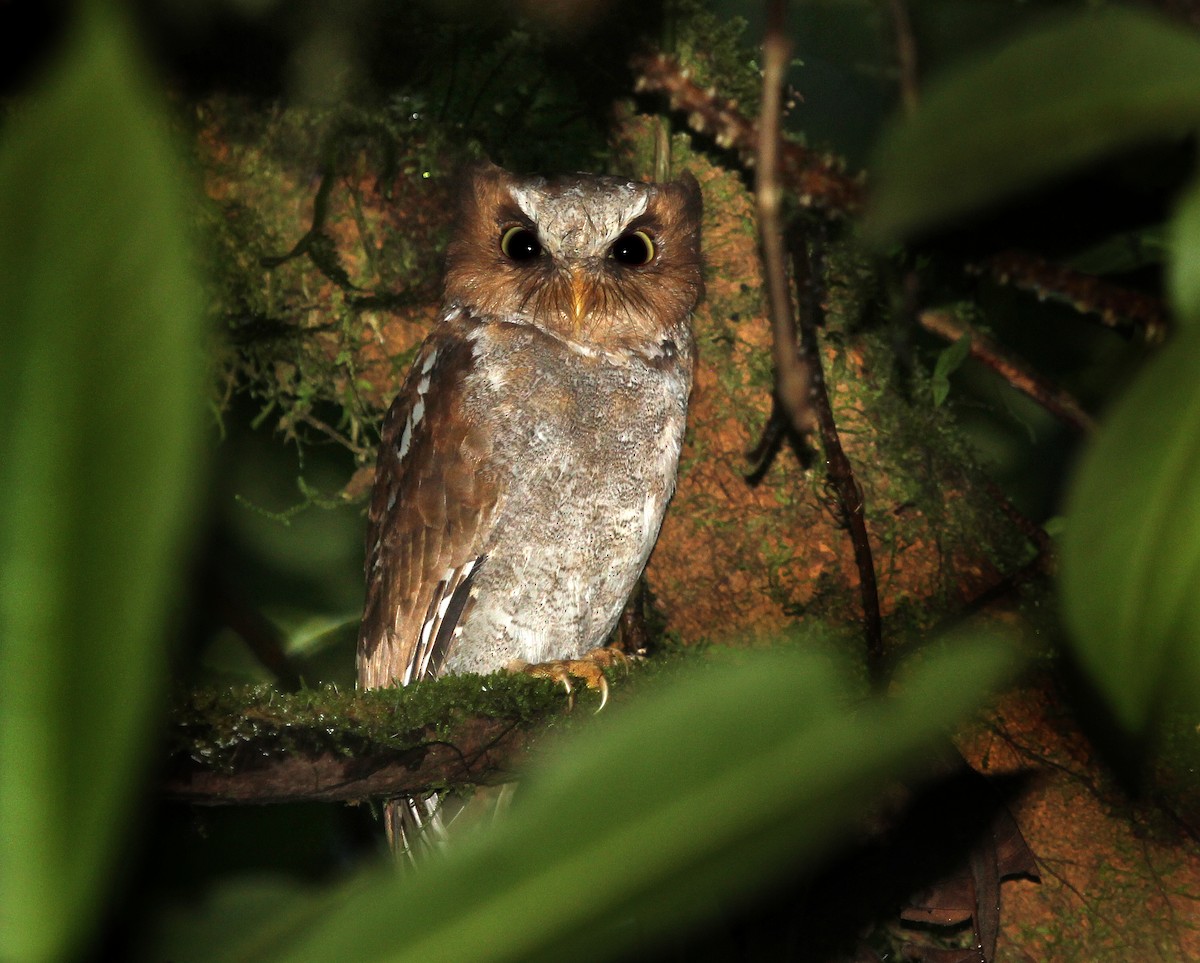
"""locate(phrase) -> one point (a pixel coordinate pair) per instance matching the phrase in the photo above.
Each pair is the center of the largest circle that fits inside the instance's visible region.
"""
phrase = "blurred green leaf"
(948, 362)
(1057, 97)
(1183, 266)
(1120, 253)
(1131, 553)
(680, 803)
(100, 397)
(250, 913)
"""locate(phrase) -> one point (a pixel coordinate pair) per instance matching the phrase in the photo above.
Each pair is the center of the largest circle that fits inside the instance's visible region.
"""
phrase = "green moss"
(717, 52)
(218, 727)
(306, 252)
(214, 727)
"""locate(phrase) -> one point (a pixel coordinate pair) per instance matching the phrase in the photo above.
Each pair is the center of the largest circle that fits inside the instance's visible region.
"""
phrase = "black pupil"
(631, 249)
(523, 246)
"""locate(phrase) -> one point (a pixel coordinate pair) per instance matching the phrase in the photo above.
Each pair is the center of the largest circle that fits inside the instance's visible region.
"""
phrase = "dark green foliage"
(685, 801)
(1130, 552)
(1086, 86)
(1060, 96)
(725, 770)
(101, 375)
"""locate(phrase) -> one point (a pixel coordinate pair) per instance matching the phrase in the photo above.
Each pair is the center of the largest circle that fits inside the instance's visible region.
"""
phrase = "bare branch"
(808, 267)
(1116, 307)
(792, 378)
(906, 53)
(1055, 400)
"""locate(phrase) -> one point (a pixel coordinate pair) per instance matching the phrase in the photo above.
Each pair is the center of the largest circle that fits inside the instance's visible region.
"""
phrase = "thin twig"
(1115, 307)
(816, 180)
(316, 244)
(320, 211)
(1043, 562)
(261, 636)
(1025, 525)
(808, 268)
(304, 417)
(792, 378)
(1054, 399)
(906, 53)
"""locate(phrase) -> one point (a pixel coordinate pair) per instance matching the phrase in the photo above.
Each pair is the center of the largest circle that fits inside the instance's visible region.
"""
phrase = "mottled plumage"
(528, 459)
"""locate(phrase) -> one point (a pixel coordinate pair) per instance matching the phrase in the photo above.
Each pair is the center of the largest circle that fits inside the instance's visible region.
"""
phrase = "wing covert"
(431, 509)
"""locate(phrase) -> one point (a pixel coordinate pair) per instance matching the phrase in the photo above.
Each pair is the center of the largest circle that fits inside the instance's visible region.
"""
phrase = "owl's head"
(595, 260)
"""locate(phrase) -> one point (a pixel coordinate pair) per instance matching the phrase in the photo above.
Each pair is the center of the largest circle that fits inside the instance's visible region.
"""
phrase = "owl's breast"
(607, 412)
(585, 452)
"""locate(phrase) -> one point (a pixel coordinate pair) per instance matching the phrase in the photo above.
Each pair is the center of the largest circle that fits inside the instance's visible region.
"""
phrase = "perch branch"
(809, 271)
(480, 751)
(259, 745)
(1055, 400)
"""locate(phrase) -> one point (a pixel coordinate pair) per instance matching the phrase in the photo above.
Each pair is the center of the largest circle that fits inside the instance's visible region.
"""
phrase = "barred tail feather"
(418, 826)
(414, 826)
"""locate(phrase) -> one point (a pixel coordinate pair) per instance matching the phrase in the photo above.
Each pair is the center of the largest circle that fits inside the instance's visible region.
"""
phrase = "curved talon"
(603, 693)
(565, 679)
(590, 668)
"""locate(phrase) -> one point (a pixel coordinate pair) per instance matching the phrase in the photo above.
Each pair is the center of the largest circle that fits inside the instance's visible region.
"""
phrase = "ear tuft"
(693, 199)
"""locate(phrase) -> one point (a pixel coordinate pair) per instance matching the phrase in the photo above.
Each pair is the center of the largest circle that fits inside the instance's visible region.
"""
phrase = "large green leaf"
(1131, 553)
(678, 804)
(1183, 264)
(1053, 99)
(100, 376)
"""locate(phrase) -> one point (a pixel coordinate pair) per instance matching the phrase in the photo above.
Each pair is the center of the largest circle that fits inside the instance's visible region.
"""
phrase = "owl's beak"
(587, 293)
(579, 296)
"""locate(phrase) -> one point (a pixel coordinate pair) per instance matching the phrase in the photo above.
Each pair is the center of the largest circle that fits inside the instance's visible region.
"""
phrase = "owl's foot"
(589, 667)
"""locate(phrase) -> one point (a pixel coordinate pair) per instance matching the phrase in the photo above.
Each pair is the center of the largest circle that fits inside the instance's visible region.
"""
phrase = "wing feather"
(431, 511)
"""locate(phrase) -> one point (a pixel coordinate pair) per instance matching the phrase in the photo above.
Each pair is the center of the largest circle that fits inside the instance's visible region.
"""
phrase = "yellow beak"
(579, 305)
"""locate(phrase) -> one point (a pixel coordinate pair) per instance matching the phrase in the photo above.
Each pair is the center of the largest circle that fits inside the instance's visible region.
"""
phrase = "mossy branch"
(480, 751)
(258, 745)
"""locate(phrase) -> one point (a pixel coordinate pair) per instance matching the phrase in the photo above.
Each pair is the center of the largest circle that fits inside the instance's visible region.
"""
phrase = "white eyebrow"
(561, 218)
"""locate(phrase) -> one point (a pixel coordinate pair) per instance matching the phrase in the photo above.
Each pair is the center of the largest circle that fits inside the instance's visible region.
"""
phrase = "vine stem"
(809, 270)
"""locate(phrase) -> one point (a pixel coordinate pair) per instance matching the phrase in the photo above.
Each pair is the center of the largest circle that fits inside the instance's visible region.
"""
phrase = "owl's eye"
(633, 248)
(520, 244)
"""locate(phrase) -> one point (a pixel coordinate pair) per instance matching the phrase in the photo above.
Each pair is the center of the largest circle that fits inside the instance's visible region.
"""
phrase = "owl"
(525, 466)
